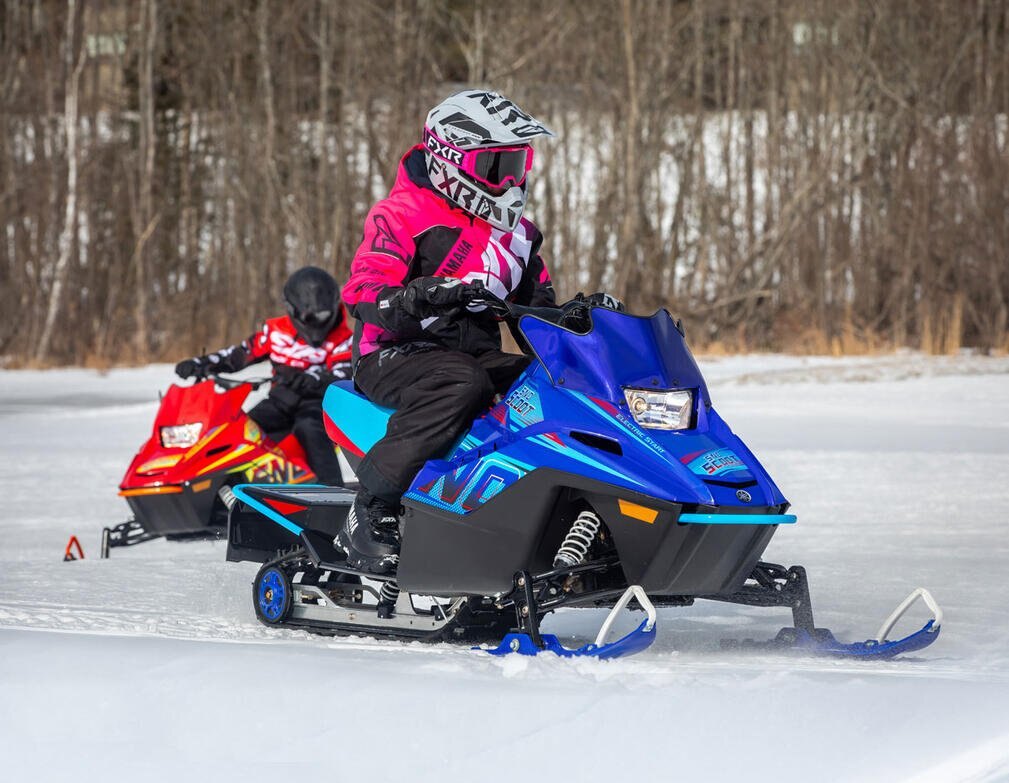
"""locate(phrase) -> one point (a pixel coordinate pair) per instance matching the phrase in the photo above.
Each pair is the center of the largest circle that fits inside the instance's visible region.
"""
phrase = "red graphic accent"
(690, 457)
(68, 555)
(338, 437)
(280, 340)
(283, 506)
(500, 412)
(609, 407)
(452, 487)
(555, 438)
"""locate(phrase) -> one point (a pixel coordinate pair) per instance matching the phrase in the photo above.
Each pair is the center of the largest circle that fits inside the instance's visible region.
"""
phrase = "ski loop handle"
(634, 591)
(902, 608)
(634, 642)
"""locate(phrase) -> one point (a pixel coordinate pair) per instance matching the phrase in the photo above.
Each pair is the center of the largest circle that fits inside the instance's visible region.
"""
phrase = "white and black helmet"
(477, 146)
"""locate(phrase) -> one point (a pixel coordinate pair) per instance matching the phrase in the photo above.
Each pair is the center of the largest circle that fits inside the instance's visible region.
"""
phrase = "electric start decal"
(714, 463)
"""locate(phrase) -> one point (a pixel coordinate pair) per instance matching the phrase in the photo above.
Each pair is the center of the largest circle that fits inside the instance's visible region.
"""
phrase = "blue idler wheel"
(271, 594)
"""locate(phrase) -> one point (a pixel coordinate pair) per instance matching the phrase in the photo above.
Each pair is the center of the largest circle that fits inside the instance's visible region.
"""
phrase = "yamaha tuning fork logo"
(743, 495)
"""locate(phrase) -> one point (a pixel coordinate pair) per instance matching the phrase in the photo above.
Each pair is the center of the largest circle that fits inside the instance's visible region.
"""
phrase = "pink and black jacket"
(416, 232)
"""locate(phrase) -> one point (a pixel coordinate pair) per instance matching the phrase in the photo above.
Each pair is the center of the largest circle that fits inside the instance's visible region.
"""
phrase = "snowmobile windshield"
(620, 350)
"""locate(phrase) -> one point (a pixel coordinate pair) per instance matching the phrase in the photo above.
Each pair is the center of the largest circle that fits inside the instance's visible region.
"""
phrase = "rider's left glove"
(424, 296)
(198, 367)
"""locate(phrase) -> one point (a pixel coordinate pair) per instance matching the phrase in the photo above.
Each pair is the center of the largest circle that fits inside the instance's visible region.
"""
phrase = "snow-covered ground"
(151, 665)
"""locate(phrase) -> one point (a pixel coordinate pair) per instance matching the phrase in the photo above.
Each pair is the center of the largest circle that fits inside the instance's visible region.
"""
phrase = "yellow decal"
(160, 463)
(271, 469)
(205, 440)
(252, 431)
(634, 511)
(243, 449)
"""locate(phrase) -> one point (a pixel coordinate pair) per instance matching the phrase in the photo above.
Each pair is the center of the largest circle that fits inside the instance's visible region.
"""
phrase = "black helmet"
(313, 302)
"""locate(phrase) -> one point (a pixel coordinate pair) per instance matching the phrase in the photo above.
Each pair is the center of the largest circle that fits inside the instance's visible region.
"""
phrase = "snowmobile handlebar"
(233, 383)
(576, 309)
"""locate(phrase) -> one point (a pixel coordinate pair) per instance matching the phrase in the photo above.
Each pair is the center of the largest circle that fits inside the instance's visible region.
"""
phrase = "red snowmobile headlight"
(181, 436)
(660, 410)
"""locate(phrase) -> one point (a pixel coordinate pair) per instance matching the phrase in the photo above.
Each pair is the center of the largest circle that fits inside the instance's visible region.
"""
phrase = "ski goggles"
(496, 167)
(312, 318)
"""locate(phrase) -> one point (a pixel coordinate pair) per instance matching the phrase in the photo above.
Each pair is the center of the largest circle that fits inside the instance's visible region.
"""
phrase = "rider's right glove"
(426, 296)
(197, 367)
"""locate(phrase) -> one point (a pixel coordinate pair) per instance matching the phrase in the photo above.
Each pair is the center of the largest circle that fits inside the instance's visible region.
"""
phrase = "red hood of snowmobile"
(228, 441)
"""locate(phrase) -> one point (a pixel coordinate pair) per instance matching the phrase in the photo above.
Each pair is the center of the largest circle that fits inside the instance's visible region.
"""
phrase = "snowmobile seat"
(353, 422)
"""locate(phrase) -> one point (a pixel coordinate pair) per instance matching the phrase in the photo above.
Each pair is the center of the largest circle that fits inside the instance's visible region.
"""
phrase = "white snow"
(151, 665)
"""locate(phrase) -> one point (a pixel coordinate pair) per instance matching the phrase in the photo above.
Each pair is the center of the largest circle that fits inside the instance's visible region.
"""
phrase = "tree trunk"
(66, 240)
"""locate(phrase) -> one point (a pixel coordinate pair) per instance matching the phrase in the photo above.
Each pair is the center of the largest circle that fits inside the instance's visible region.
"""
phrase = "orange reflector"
(203, 486)
(634, 511)
(166, 490)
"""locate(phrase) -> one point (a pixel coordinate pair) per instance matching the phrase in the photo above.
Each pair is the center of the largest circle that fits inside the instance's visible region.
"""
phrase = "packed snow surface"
(151, 665)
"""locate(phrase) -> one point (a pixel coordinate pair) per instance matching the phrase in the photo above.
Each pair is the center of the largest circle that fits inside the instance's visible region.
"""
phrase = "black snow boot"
(370, 536)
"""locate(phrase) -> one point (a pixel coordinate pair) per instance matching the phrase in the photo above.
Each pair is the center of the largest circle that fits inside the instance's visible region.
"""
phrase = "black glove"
(605, 300)
(426, 296)
(313, 380)
(198, 367)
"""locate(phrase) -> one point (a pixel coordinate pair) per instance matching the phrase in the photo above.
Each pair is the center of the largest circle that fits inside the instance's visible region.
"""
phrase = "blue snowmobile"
(604, 476)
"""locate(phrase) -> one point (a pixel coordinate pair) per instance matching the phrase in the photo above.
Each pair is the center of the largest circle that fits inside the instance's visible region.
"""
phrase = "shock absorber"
(578, 540)
(388, 593)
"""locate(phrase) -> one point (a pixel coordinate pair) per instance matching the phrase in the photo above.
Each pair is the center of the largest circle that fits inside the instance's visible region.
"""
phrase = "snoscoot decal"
(525, 405)
(714, 463)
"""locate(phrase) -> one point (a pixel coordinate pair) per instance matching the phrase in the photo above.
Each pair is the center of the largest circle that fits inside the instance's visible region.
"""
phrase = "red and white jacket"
(278, 340)
(417, 232)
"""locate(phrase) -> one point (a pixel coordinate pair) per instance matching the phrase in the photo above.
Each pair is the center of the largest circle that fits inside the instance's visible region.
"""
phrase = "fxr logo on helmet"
(461, 193)
(443, 150)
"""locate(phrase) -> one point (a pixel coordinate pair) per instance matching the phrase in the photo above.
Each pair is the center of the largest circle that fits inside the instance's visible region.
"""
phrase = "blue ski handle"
(902, 608)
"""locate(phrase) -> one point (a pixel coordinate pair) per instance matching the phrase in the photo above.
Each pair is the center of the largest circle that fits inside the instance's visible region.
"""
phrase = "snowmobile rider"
(309, 349)
(450, 231)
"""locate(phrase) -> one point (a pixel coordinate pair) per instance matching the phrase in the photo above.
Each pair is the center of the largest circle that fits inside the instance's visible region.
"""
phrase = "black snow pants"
(436, 393)
(281, 414)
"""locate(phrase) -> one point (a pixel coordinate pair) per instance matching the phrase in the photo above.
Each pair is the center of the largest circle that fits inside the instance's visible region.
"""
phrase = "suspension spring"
(388, 593)
(578, 540)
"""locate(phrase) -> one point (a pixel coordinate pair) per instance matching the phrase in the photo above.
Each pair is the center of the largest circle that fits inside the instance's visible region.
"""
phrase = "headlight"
(661, 410)
(181, 436)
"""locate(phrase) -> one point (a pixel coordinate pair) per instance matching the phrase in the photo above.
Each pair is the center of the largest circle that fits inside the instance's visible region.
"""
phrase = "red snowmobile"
(202, 440)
